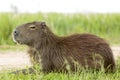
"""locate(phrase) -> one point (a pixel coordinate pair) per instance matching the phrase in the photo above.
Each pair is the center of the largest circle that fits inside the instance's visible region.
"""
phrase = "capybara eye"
(32, 27)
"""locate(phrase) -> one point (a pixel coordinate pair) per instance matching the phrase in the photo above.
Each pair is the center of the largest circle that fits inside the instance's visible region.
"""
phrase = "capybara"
(63, 53)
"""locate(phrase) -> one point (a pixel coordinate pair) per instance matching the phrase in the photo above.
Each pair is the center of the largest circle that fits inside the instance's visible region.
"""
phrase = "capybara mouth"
(16, 37)
(16, 40)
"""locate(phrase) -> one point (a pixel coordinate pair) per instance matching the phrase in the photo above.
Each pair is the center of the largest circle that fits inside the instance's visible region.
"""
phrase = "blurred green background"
(104, 25)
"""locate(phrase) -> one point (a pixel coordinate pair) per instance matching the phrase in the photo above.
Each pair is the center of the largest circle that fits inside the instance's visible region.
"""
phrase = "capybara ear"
(43, 24)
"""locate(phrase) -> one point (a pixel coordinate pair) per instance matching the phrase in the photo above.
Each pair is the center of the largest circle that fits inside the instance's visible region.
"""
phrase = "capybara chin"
(56, 53)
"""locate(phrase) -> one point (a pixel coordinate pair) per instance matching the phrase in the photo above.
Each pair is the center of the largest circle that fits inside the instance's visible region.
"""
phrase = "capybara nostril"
(15, 33)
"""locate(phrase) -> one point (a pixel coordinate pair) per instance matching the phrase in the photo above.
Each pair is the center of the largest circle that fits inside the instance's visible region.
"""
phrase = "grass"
(84, 75)
(103, 25)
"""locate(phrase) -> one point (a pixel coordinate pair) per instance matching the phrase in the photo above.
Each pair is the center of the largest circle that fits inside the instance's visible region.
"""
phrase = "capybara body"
(59, 54)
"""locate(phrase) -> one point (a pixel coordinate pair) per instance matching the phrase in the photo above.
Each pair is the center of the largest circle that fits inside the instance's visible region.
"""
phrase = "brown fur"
(56, 53)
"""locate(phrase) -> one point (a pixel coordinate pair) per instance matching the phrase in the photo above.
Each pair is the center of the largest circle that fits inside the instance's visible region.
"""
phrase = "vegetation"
(84, 75)
(103, 25)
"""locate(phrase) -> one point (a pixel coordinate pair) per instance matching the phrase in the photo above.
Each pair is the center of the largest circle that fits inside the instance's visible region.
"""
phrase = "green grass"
(103, 25)
(84, 75)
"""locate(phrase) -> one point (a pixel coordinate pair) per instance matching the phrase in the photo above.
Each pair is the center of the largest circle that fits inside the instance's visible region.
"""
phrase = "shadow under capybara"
(55, 53)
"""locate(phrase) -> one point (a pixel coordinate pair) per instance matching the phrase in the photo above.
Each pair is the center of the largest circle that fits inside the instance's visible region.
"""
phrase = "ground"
(14, 59)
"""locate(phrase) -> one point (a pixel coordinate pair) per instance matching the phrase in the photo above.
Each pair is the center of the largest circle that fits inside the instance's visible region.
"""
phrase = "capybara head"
(30, 32)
